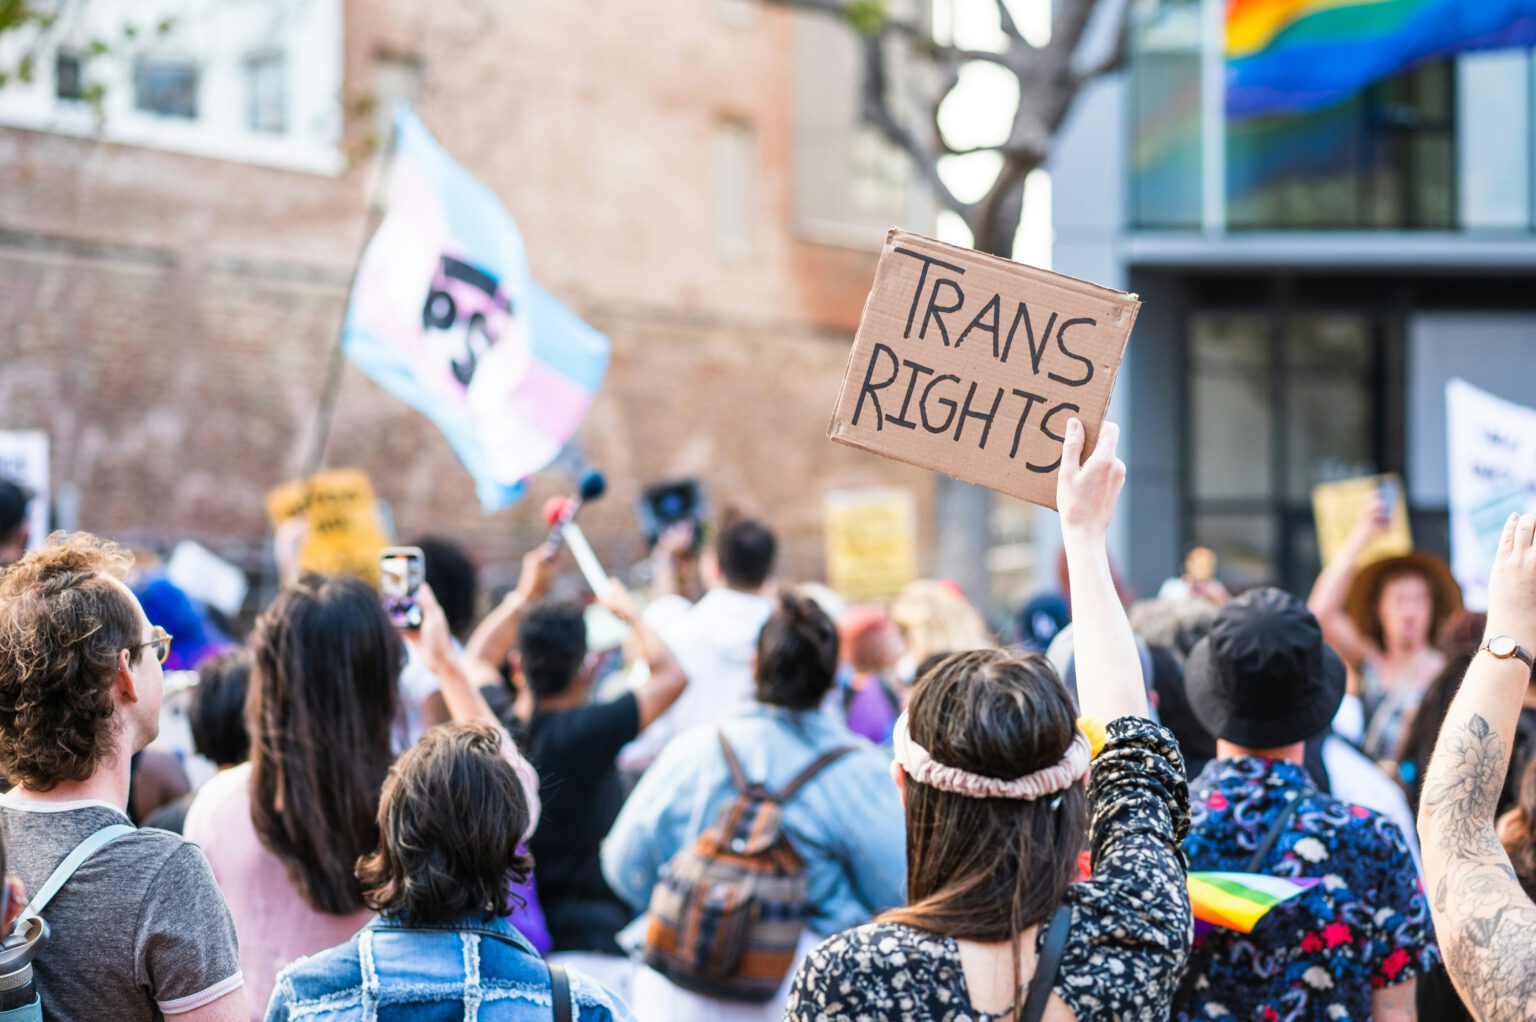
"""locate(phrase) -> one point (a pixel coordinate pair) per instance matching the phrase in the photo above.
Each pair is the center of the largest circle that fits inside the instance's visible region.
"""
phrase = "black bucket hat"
(1263, 677)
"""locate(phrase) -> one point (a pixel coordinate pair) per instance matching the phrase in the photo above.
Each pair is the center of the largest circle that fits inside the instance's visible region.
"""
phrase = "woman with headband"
(991, 761)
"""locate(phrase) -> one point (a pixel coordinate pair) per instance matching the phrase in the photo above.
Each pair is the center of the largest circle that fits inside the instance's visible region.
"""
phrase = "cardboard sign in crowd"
(971, 365)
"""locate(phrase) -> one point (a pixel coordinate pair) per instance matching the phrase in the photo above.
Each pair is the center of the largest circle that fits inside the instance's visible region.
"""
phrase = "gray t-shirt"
(139, 932)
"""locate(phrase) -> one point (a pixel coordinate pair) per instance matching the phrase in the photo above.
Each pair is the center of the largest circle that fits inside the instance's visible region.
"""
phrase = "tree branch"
(1005, 19)
(876, 109)
(1111, 61)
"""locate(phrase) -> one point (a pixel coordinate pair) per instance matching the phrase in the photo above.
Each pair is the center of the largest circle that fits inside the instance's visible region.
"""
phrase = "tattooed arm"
(1485, 923)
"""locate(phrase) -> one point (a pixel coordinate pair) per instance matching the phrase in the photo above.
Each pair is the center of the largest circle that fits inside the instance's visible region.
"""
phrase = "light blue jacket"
(473, 970)
(847, 824)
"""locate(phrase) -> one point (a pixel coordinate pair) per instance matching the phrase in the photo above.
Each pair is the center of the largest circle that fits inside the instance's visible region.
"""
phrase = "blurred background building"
(183, 190)
(1310, 280)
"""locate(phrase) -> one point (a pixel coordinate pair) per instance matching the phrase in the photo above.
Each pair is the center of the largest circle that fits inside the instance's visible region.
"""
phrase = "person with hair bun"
(845, 822)
(990, 760)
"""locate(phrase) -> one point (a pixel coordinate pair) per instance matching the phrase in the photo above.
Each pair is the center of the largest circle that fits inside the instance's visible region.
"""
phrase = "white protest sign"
(1492, 451)
(24, 460)
(204, 575)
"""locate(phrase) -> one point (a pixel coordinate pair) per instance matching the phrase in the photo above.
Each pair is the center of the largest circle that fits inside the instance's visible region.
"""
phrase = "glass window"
(1232, 432)
(1328, 401)
(165, 87)
(1246, 546)
(266, 85)
(1381, 159)
(69, 75)
(1281, 399)
(735, 187)
(1493, 139)
(1165, 114)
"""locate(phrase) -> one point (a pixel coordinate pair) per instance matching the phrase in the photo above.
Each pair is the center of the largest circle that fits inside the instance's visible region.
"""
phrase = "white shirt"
(715, 643)
(1355, 779)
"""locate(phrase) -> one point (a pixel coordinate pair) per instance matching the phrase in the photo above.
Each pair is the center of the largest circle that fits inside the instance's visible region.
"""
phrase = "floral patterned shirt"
(1319, 956)
(1130, 921)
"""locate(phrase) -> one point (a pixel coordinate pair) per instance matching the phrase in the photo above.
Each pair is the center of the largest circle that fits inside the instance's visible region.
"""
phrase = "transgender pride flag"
(444, 316)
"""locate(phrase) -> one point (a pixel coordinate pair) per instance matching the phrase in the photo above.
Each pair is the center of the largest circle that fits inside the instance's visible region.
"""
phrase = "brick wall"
(168, 319)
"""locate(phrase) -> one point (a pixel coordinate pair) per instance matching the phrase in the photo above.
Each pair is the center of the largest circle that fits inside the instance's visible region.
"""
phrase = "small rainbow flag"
(1237, 901)
(1290, 56)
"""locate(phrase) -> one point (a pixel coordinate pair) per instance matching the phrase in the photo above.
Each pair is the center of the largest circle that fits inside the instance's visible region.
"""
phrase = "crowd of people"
(736, 796)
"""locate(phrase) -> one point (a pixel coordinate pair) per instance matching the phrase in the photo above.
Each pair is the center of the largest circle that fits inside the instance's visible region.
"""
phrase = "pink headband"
(1059, 776)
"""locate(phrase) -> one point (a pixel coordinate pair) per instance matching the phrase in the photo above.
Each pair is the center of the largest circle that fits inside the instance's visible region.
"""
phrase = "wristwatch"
(1505, 648)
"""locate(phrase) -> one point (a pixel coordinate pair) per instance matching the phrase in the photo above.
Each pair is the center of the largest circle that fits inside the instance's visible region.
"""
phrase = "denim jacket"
(473, 970)
(847, 824)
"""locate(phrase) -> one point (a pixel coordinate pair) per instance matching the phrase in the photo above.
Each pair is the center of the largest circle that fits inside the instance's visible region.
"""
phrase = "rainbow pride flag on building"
(1290, 56)
(1237, 901)
(445, 316)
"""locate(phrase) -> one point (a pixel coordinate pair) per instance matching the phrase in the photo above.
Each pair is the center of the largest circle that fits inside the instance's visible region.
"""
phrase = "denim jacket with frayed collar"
(473, 970)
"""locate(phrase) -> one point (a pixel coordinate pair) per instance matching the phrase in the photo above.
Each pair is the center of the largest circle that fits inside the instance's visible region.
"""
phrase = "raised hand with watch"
(1504, 647)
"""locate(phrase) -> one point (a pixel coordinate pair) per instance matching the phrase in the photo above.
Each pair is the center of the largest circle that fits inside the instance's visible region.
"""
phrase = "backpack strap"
(784, 794)
(560, 993)
(66, 869)
(1049, 964)
(738, 775)
(804, 777)
(1275, 830)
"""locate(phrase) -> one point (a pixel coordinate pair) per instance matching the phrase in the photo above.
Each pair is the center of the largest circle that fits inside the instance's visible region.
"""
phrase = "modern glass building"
(1310, 282)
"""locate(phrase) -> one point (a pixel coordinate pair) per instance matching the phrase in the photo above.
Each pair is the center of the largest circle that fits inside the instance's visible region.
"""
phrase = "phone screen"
(1387, 487)
(401, 571)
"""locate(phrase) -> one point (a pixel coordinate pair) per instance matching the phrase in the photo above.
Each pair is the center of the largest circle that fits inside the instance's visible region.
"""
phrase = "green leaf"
(26, 68)
(100, 47)
(866, 17)
(165, 26)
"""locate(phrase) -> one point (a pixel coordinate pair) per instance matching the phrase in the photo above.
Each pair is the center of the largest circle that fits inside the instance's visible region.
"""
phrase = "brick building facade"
(167, 318)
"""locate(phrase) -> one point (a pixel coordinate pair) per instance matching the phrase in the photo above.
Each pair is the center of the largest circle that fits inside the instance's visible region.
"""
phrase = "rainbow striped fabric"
(1289, 56)
(1237, 901)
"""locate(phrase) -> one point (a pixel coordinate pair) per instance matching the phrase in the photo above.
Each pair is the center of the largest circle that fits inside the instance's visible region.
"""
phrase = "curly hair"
(62, 624)
(451, 820)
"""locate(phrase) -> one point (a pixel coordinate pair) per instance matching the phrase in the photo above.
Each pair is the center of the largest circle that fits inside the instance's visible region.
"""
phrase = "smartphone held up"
(401, 572)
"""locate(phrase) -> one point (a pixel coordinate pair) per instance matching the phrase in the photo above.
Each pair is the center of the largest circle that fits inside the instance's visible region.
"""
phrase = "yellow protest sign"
(1336, 508)
(344, 536)
(871, 542)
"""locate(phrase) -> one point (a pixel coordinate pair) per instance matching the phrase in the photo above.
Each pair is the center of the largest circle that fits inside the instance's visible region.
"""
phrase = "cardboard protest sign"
(24, 460)
(344, 536)
(871, 537)
(971, 365)
(1336, 508)
(1492, 452)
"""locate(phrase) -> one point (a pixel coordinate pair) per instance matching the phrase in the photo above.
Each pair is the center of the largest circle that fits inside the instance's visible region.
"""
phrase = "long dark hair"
(989, 869)
(323, 701)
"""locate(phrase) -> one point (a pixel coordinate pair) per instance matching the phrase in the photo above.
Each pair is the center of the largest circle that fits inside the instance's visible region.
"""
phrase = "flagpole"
(326, 411)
